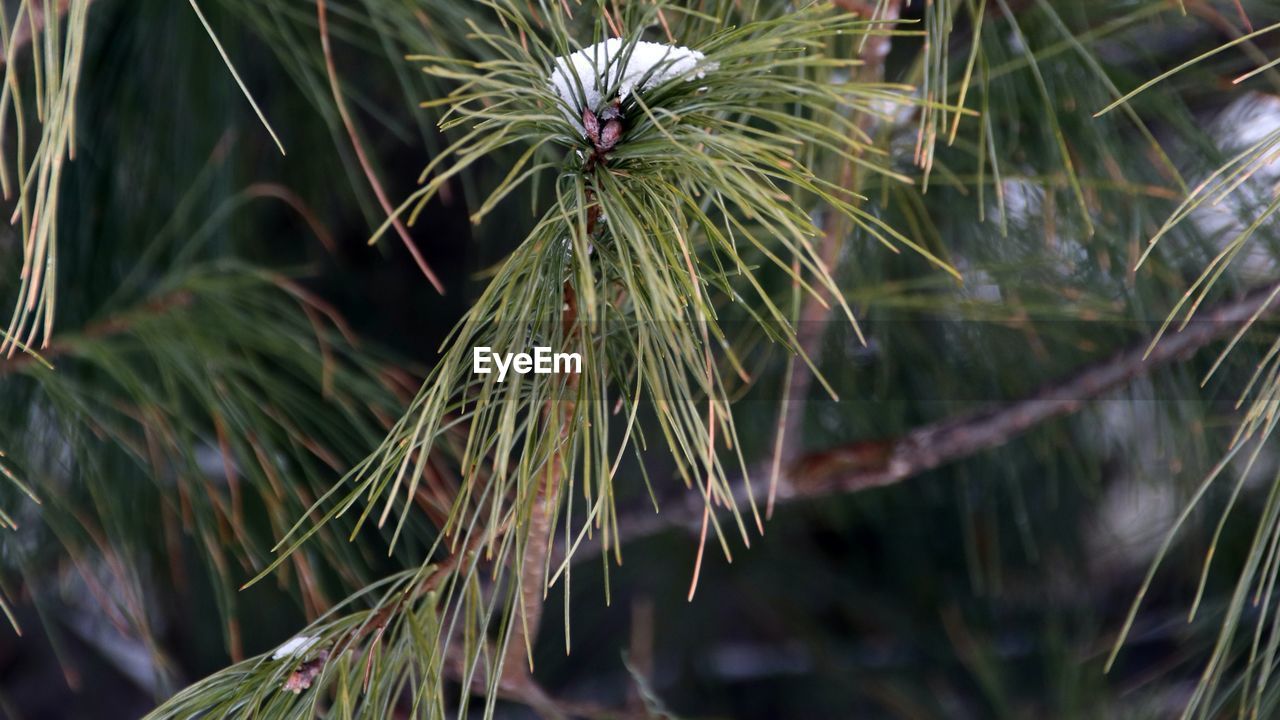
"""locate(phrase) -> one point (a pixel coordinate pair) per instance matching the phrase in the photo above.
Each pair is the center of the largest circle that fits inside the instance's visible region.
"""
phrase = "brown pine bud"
(592, 126)
(610, 135)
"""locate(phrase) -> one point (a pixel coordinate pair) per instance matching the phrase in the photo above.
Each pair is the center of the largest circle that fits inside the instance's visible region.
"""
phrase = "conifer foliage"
(916, 356)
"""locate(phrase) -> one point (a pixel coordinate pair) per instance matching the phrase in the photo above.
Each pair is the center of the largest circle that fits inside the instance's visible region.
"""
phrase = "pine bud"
(610, 135)
(592, 126)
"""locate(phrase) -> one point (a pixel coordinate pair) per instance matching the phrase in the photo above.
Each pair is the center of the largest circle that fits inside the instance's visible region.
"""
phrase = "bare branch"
(815, 309)
(863, 465)
(322, 18)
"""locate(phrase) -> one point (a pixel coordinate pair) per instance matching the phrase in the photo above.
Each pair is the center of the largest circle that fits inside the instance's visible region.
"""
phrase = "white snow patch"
(1132, 519)
(1253, 119)
(613, 67)
(294, 647)
(1248, 120)
(1026, 205)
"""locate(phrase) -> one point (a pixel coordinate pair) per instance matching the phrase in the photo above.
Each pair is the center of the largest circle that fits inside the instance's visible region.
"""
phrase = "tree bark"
(865, 464)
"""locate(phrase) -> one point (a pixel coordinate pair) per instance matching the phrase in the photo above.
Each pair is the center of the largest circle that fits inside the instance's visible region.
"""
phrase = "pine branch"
(816, 309)
(864, 465)
(531, 567)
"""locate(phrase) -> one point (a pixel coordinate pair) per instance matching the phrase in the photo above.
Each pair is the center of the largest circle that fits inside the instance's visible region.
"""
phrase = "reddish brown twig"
(322, 17)
(815, 309)
(863, 465)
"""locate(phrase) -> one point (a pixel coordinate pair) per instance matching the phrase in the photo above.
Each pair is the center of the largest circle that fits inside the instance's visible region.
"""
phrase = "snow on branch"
(614, 69)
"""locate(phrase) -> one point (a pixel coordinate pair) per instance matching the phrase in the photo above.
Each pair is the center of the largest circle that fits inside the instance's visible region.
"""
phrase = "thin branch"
(863, 465)
(322, 16)
(517, 666)
(815, 309)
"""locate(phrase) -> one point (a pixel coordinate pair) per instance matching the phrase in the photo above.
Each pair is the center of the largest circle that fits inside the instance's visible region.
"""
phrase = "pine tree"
(919, 358)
